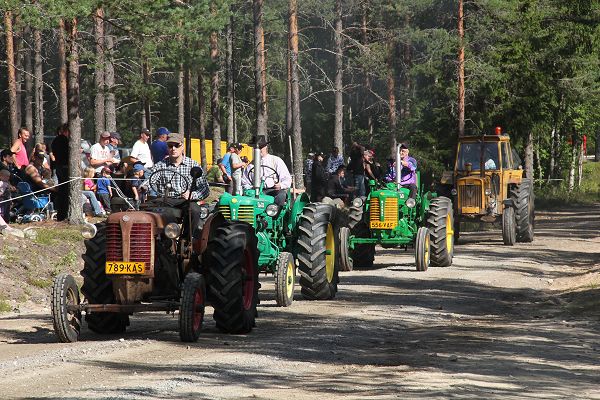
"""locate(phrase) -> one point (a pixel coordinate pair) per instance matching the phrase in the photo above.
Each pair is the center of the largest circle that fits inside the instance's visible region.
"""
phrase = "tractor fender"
(508, 203)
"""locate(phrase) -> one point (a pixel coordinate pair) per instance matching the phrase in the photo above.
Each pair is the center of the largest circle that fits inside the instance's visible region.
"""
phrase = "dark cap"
(137, 167)
(105, 135)
(404, 146)
(162, 131)
(319, 153)
(145, 131)
(115, 135)
(175, 138)
(6, 152)
(260, 141)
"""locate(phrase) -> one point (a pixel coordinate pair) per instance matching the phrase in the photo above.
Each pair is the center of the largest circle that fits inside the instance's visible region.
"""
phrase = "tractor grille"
(140, 243)
(390, 210)
(245, 213)
(470, 196)
(223, 209)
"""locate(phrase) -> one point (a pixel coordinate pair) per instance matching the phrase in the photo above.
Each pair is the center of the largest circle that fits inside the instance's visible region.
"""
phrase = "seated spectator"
(89, 192)
(40, 149)
(336, 187)
(215, 174)
(132, 187)
(5, 193)
(104, 189)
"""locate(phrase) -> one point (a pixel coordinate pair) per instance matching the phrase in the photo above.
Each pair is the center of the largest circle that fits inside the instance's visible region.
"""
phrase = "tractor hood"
(244, 208)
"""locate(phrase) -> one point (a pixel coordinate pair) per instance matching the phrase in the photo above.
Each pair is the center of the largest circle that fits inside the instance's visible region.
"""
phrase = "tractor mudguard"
(509, 203)
(297, 207)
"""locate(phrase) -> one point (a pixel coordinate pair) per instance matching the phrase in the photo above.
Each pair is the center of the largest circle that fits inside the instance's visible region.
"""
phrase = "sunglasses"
(176, 145)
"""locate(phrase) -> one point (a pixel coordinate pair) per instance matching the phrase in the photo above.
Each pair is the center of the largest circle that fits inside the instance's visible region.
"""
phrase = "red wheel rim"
(198, 312)
(248, 276)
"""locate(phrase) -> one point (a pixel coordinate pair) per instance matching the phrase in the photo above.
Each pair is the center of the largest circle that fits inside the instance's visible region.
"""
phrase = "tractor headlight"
(357, 202)
(89, 231)
(454, 192)
(204, 211)
(488, 191)
(272, 210)
(410, 203)
(172, 230)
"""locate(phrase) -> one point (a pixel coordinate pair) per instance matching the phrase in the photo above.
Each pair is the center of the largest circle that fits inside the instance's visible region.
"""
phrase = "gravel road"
(502, 322)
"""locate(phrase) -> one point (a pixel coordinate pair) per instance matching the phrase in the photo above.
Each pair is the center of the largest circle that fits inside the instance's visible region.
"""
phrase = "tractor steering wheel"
(172, 182)
(266, 172)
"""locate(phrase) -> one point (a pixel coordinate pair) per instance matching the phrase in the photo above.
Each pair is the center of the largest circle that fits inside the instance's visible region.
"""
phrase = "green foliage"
(4, 306)
(47, 236)
(557, 195)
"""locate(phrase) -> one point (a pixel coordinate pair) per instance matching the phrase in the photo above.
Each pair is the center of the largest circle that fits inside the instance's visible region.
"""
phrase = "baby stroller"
(33, 208)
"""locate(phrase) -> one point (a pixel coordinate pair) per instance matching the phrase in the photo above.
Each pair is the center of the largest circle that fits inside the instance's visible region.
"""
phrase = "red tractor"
(156, 260)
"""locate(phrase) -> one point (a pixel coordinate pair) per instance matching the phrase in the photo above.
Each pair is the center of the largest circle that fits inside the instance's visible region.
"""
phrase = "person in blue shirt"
(158, 148)
(225, 167)
(104, 189)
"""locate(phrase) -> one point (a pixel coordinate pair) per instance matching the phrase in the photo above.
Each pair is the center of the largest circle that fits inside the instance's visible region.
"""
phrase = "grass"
(558, 195)
(41, 283)
(66, 262)
(4, 306)
(11, 255)
(46, 236)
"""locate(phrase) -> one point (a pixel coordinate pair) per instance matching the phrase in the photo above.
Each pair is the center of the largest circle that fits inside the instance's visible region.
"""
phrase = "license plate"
(125, 267)
(383, 225)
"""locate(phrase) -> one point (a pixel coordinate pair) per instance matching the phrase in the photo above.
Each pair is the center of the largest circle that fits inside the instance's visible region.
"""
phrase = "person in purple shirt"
(408, 173)
(158, 148)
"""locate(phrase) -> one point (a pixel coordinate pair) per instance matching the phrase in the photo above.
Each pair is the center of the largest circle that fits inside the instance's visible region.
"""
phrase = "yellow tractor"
(487, 185)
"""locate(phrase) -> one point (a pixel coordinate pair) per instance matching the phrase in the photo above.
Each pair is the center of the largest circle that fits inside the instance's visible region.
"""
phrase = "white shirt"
(98, 152)
(141, 151)
(285, 179)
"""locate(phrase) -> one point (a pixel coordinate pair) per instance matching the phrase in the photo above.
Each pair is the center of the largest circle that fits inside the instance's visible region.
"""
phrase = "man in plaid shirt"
(176, 161)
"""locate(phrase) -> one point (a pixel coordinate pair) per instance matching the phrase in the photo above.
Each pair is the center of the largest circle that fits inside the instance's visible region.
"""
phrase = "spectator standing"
(319, 178)
(115, 141)
(159, 149)
(60, 164)
(89, 192)
(104, 189)
(226, 167)
(20, 148)
(237, 166)
(357, 167)
(308, 171)
(141, 150)
(334, 160)
(100, 153)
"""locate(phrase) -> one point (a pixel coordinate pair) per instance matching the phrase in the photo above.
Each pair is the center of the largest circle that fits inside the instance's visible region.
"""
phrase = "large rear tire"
(191, 308)
(317, 245)
(97, 287)
(67, 324)
(422, 249)
(523, 199)
(440, 221)
(231, 258)
(285, 277)
(509, 231)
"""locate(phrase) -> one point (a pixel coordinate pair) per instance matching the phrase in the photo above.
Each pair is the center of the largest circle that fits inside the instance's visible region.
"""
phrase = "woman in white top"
(141, 149)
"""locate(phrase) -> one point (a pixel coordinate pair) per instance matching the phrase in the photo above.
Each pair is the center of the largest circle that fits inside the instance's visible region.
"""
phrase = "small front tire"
(509, 229)
(422, 249)
(285, 279)
(191, 308)
(67, 324)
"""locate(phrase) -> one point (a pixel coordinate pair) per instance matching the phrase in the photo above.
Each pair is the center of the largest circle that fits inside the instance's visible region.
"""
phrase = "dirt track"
(496, 324)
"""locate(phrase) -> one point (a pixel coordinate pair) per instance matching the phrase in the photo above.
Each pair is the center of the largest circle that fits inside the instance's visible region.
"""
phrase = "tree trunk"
(597, 153)
(231, 131)
(407, 82)
(574, 148)
(187, 105)
(202, 119)
(29, 88)
(580, 158)
(62, 73)
(214, 97)
(391, 92)
(529, 156)
(366, 73)
(289, 122)
(180, 101)
(338, 127)
(260, 70)
(38, 86)
(99, 112)
(109, 82)
(297, 124)
(539, 161)
(18, 46)
(75, 215)
(12, 83)
(461, 71)
(146, 77)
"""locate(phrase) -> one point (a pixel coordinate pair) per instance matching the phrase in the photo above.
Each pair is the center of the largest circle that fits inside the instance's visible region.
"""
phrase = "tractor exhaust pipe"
(398, 167)
(257, 170)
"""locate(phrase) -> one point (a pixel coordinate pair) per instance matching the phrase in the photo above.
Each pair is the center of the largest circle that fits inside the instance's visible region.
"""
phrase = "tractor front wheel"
(231, 258)
(363, 254)
(440, 221)
(422, 249)
(509, 231)
(523, 199)
(285, 276)
(191, 308)
(317, 252)
(67, 324)
(346, 262)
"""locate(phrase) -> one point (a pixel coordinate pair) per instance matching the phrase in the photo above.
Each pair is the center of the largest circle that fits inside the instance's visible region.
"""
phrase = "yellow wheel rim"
(426, 251)
(330, 253)
(449, 233)
(289, 279)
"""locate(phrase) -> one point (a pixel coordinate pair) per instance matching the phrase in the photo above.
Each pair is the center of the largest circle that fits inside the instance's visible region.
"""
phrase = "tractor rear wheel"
(67, 324)
(346, 263)
(191, 307)
(509, 231)
(440, 221)
(285, 277)
(231, 258)
(318, 246)
(422, 249)
(523, 199)
(97, 287)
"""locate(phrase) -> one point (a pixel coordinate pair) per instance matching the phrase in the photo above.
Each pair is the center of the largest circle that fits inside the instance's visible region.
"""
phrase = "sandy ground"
(502, 322)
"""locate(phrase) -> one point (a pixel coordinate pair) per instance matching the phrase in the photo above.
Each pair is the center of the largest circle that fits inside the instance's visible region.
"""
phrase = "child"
(133, 185)
(89, 187)
(104, 189)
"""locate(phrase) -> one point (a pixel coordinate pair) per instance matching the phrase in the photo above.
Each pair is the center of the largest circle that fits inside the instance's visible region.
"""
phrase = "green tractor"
(296, 234)
(390, 218)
